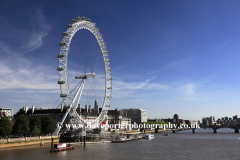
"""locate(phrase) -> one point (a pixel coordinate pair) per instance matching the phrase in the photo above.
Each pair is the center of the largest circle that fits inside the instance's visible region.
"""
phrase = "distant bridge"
(215, 127)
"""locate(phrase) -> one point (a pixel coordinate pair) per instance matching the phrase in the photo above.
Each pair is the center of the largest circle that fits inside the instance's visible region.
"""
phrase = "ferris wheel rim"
(63, 62)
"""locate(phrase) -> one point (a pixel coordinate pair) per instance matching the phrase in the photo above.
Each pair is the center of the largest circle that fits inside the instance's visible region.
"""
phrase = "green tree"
(5, 126)
(62, 130)
(47, 125)
(35, 131)
(21, 126)
(35, 123)
(50, 128)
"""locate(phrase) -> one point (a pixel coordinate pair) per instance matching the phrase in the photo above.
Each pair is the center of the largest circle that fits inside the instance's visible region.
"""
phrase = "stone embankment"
(26, 141)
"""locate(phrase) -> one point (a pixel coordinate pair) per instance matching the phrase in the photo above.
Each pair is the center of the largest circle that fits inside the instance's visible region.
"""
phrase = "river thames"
(204, 144)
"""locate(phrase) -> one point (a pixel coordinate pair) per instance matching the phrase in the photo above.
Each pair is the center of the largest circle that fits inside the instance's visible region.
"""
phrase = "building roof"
(54, 111)
(39, 111)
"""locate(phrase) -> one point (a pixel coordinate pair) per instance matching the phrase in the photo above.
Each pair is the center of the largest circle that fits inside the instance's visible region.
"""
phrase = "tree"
(62, 130)
(50, 128)
(47, 125)
(21, 126)
(5, 126)
(35, 126)
(35, 131)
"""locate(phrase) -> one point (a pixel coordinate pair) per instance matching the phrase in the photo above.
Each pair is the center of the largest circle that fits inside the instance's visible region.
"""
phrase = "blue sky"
(167, 57)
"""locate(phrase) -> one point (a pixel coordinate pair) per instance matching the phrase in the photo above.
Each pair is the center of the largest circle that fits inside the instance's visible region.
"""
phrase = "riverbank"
(160, 130)
(43, 141)
(39, 142)
(203, 144)
(149, 131)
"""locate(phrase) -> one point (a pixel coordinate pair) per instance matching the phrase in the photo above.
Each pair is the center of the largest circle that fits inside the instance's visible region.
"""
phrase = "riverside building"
(137, 115)
(87, 113)
(6, 112)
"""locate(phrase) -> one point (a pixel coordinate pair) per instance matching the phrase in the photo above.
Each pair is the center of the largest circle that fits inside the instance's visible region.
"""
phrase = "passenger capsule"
(109, 88)
(69, 26)
(60, 55)
(64, 34)
(61, 82)
(89, 20)
(78, 18)
(105, 52)
(62, 44)
(60, 68)
(63, 95)
(109, 79)
(108, 60)
(84, 18)
(66, 106)
(73, 21)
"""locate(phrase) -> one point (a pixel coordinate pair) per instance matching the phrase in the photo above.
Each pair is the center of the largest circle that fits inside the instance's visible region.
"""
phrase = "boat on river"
(126, 137)
(62, 147)
(119, 140)
(165, 134)
(148, 136)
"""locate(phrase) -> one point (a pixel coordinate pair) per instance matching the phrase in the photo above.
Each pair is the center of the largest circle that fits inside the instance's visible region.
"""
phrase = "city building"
(87, 113)
(238, 120)
(228, 121)
(154, 120)
(235, 117)
(114, 117)
(205, 121)
(198, 121)
(33, 112)
(2, 114)
(176, 118)
(187, 122)
(168, 120)
(208, 120)
(8, 112)
(211, 120)
(137, 115)
(181, 121)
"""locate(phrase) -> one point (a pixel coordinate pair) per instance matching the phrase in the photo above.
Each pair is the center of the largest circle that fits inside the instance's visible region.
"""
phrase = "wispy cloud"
(190, 89)
(5, 49)
(40, 29)
(19, 73)
(221, 46)
(25, 75)
(122, 88)
(144, 84)
(33, 36)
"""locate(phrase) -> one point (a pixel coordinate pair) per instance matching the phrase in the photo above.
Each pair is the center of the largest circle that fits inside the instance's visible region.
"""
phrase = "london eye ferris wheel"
(84, 71)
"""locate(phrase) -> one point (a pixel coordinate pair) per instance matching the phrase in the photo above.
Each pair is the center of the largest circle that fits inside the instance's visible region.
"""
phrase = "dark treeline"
(22, 127)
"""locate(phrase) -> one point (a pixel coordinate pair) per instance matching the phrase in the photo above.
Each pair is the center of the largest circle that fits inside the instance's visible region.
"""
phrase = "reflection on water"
(204, 144)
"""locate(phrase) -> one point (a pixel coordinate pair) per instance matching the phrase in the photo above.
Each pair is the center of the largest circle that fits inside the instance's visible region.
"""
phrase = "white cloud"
(22, 74)
(221, 46)
(123, 88)
(40, 29)
(189, 88)
(33, 36)
(192, 91)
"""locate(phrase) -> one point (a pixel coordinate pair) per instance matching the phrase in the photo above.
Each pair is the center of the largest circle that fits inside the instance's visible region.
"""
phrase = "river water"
(204, 144)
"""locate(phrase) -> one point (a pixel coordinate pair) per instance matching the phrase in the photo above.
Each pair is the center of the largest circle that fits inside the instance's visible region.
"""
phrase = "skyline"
(167, 57)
